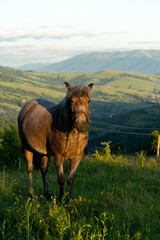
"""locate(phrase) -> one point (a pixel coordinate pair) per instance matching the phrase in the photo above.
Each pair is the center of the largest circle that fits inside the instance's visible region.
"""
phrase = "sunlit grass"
(29, 87)
(113, 197)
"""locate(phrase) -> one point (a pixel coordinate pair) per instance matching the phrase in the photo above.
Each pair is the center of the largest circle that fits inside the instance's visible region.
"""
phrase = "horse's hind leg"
(29, 159)
(44, 162)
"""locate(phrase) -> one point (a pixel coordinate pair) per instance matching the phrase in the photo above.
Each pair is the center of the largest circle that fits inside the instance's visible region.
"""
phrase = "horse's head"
(79, 99)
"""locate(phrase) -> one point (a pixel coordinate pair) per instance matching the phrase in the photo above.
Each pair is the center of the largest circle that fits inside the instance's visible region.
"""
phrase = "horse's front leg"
(60, 175)
(74, 162)
(44, 163)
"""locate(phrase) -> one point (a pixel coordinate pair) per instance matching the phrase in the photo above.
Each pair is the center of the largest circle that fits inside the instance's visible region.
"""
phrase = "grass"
(32, 88)
(113, 197)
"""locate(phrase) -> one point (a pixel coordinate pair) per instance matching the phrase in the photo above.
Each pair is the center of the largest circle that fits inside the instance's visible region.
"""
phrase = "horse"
(61, 130)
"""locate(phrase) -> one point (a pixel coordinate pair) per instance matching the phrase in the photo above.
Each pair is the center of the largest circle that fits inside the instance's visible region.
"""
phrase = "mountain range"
(142, 61)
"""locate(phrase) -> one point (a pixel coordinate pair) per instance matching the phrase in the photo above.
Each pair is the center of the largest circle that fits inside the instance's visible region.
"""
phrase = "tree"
(10, 146)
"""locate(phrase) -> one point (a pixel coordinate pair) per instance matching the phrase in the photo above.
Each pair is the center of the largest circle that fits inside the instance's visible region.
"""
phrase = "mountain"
(32, 66)
(143, 61)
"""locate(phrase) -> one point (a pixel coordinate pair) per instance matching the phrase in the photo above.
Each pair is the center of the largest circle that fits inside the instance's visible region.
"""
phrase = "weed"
(141, 158)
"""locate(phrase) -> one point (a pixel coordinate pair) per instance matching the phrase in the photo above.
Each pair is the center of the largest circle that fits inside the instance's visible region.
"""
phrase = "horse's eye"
(89, 101)
(71, 100)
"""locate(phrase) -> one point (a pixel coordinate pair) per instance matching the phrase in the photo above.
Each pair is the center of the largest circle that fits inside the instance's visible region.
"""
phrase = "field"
(113, 197)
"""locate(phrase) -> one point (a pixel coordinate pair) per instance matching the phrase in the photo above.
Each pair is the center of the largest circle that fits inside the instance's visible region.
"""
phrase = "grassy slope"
(113, 198)
(17, 87)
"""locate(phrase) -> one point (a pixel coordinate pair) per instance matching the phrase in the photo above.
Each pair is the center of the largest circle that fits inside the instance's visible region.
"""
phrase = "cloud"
(40, 35)
(37, 36)
(48, 32)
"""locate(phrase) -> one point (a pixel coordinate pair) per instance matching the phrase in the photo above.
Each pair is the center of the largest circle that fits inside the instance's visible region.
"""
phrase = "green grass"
(113, 197)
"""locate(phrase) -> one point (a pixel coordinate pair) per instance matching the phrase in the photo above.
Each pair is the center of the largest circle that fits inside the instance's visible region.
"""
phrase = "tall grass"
(113, 197)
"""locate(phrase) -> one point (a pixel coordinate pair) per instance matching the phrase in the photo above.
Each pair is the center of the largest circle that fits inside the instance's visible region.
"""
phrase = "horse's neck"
(61, 117)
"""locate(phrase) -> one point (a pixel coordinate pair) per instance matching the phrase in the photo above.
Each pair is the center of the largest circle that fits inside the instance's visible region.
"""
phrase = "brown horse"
(60, 130)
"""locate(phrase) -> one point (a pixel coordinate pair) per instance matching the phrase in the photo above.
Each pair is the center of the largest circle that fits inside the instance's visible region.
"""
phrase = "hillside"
(18, 87)
(128, 132)
(143, 61)
(114, 98)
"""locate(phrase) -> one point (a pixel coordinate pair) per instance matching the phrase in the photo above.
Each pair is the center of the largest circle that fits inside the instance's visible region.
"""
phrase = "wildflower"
(80, 198)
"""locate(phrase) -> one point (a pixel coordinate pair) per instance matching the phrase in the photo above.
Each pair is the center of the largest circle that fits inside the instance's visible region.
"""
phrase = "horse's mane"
(61, 113)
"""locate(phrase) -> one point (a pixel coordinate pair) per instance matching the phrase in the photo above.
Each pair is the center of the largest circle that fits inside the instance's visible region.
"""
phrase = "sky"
(49, 31)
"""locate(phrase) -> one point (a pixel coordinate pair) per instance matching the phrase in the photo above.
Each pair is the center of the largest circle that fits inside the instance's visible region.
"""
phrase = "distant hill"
(32, 66)
(143, 61)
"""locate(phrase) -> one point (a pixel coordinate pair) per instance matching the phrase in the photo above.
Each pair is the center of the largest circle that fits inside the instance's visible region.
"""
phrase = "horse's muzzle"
(81, 126)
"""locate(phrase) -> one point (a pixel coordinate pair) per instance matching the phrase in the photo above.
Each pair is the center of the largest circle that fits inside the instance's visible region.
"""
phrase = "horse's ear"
(68, 86)
(90, 86)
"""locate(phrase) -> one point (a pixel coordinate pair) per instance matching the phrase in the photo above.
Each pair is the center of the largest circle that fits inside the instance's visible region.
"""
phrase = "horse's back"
(34, 123)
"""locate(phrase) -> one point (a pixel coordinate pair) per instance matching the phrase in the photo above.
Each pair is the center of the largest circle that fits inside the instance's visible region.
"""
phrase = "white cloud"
(47, 32)
(42, 34)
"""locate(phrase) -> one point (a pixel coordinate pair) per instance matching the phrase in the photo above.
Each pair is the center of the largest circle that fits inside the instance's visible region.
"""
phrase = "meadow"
(113, 197)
